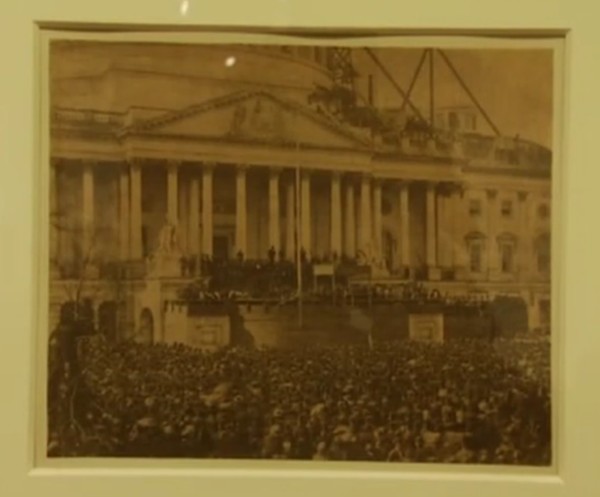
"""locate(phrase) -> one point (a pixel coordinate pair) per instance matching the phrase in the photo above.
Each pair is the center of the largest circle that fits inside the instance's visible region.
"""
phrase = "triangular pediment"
(254, 117)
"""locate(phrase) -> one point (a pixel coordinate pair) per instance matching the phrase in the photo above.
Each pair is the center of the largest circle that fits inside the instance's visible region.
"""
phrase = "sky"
(514, 86)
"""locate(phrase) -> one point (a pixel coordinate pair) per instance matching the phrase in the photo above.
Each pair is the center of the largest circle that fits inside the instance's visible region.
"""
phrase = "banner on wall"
(209, 332)
(426, 327)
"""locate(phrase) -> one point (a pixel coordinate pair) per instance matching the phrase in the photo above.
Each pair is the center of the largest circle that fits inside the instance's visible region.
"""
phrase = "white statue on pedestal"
(166, 261)
(168, 242)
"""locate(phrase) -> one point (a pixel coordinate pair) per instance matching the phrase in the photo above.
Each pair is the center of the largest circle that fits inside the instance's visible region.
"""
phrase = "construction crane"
(342, 100)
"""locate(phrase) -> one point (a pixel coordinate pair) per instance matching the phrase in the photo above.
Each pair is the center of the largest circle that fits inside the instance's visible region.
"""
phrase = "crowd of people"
(464, 401)
(274, 278)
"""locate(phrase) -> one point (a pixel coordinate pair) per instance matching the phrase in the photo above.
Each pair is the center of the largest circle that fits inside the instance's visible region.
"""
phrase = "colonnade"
(355, 212)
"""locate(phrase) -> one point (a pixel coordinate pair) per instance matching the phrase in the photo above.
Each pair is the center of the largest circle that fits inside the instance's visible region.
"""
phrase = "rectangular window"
(475, 207)
(475, 252)
(507, 255)
(453, 122)
(543, 211)
(439, 120)
(506, 208)
(543, 261)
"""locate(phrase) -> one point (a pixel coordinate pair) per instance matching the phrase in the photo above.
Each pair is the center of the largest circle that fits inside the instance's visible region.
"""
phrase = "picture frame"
(22, 233)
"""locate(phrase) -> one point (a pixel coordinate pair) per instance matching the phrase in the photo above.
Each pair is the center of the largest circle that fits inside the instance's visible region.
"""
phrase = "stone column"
(431, 237)
(241, 212)
(124, 207)
(306, 224)
(336, 215)
(194, 215)
(349, 221)
(183, 216)
(207, 210)
(274, 226)
(442, 210)
(492, 245)
(524, 248)
(290, 217)
(459, 253)
(405, 257)
(87, 213)
(135, 212)
(172, 195)
(365, 216)
(377, 221)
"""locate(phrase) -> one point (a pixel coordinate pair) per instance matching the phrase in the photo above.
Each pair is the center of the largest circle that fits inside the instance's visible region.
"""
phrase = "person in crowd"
(465, 400)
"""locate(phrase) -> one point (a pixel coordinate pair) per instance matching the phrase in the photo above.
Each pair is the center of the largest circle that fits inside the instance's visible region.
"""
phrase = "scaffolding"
(343, 100)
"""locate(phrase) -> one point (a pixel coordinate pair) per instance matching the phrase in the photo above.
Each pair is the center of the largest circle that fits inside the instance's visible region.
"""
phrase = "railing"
(482, 149)
(86, 116)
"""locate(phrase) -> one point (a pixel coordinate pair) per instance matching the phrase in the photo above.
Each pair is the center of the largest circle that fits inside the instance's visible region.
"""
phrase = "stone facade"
(229, 157)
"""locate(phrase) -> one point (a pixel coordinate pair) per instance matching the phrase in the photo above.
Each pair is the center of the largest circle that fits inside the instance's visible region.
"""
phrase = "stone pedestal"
(166, 261)
(379, 270)
(457, 150)
(426, 327)
(431, 146)
(91, 272)
(460, 273)
(165, 266)
(434, 273)
(407, 272)
(405, 145)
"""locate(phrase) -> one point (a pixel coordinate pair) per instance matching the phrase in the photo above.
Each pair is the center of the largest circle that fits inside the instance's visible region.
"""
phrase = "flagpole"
(298, 237)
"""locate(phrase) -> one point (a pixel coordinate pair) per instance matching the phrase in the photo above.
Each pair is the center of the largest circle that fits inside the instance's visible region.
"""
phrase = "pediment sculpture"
(260, 119)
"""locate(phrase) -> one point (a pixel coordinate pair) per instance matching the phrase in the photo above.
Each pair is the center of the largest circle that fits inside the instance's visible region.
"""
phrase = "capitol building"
(162, 154)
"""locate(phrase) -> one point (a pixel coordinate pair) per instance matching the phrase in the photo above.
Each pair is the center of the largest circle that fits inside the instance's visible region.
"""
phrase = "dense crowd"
(273, 279)
(461, 401)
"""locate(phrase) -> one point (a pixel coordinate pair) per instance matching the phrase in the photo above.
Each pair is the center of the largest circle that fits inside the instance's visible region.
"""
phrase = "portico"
(275, 175)
(236, 211)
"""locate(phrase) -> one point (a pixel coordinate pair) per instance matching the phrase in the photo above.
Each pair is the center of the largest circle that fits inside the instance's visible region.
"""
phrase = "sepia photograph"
(309, 252)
